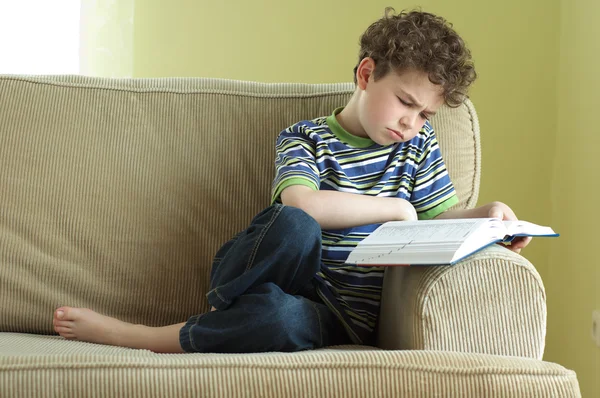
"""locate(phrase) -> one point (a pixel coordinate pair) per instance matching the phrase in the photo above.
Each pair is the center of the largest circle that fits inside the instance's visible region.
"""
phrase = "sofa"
(115, 195)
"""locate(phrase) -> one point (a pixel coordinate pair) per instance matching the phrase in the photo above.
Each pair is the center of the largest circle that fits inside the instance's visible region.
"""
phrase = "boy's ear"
(365, 70)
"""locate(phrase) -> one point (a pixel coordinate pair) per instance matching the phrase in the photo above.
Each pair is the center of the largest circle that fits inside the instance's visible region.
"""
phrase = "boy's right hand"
(406, 211)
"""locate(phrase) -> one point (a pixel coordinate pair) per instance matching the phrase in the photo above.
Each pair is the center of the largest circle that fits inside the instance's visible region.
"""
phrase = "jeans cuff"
(184, 334)
(217, 301)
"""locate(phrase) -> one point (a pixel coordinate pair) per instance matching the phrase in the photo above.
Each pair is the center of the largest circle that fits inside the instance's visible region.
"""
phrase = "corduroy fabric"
(76, 369)
(116, 193)
(492, 293)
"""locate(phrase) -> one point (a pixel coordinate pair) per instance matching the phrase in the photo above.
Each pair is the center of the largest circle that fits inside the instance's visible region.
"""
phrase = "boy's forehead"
(413, 78)
(417, 86)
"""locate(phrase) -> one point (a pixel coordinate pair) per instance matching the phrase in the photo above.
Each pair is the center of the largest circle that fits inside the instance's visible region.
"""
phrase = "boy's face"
(395, 107)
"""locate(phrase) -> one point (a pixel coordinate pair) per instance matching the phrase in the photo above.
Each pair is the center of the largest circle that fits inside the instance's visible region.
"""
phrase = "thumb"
(496, 212)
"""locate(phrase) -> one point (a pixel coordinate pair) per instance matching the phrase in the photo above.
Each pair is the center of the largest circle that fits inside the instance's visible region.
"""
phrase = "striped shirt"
(320, 154)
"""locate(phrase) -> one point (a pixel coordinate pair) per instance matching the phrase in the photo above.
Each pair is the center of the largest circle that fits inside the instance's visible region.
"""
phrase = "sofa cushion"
(116, 193)
(48, 366)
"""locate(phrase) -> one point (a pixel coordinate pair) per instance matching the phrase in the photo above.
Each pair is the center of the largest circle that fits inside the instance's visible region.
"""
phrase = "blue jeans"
(263, 287)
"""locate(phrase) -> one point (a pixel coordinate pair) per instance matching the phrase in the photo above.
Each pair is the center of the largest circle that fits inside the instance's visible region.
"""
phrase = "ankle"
(130, 335)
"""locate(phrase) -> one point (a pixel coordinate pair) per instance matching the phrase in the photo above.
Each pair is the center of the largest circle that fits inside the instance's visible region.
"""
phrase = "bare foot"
(212, 309)
(86, 325)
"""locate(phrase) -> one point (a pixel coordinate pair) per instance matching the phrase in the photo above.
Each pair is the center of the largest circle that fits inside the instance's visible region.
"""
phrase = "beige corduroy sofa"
(115, 194)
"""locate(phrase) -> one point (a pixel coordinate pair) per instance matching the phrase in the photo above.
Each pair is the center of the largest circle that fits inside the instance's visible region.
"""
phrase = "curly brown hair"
(421, 41)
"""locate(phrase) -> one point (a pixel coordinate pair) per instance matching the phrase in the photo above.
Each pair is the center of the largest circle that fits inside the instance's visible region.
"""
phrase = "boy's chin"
(385, 141)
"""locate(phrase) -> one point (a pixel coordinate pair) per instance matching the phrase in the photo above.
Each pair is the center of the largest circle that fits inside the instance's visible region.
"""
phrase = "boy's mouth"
(396, 134)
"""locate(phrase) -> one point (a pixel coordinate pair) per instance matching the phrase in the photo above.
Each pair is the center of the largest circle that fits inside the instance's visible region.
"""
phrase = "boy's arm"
(338, 210)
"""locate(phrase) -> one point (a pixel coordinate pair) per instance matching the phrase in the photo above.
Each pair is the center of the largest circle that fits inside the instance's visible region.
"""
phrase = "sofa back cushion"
(116, 193)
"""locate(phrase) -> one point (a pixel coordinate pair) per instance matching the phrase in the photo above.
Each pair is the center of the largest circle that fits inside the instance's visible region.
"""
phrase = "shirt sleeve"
(433, 192)
(295, 162)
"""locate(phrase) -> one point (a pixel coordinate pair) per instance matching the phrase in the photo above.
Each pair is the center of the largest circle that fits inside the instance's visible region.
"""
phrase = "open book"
(437, 242)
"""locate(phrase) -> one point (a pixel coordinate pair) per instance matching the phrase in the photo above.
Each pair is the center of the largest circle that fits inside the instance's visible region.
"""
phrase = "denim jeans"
(263, 287)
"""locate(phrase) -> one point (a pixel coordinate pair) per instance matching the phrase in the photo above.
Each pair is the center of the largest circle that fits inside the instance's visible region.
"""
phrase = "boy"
(282, 284)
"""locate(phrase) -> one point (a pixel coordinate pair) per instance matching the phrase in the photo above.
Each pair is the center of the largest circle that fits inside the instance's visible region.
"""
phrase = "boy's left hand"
(503, 212)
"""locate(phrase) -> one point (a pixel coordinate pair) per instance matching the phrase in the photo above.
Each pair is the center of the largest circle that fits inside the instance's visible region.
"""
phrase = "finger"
(495, 212)
(510, 247)
(521, 241)
(509, 214)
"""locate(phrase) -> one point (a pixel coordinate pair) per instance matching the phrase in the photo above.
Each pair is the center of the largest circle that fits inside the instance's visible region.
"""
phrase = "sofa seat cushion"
(50, 366)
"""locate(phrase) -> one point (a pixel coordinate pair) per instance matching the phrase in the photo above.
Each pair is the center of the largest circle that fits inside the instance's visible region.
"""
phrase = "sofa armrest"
(492, 302)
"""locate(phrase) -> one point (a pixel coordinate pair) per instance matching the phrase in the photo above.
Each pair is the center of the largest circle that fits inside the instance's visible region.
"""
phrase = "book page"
(526, 228)
(432, 231)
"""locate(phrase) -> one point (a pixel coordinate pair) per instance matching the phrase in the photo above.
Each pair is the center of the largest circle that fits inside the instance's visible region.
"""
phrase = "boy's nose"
(407, 122)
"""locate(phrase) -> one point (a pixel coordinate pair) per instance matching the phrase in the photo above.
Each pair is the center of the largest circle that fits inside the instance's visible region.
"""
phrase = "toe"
(66, 334)
(64, 327)
(61, 330)
(64, 324)
(64, 330)
(59, 313)
(67, 313)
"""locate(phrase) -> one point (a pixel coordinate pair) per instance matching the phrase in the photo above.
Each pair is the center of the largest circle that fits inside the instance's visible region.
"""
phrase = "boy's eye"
(423, 115)
(404, 102)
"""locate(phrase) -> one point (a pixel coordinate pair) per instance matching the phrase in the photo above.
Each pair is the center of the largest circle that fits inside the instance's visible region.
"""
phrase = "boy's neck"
(348, 117)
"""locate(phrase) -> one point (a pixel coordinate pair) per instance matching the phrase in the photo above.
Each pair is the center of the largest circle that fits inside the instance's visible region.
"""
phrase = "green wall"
(573, 276)
(317, 41)
(533, 100)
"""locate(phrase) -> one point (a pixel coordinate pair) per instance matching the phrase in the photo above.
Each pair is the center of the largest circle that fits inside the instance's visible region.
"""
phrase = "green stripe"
(441, 195)
(343, 135)
(291, 144)
(439, 209)
(287, 182)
